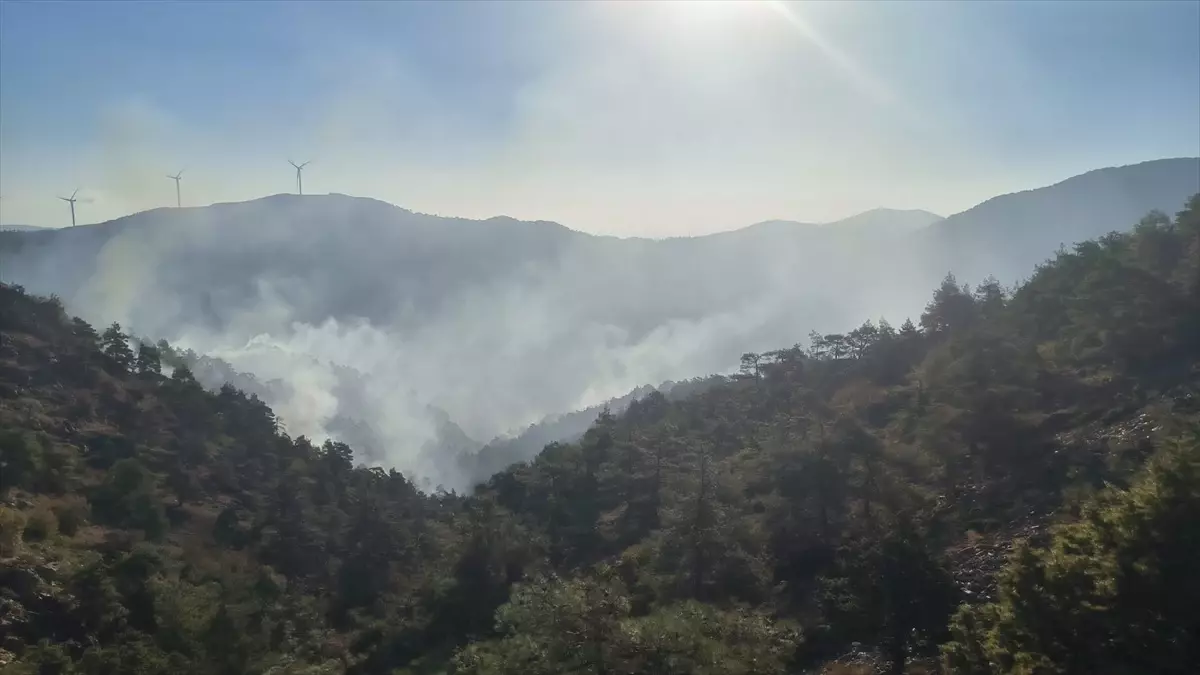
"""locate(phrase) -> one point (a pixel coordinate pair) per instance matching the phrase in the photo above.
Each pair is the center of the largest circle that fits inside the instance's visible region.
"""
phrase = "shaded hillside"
(479, 464)
(1007, 235)
(211, 259)
(855, 497)
(500, 323)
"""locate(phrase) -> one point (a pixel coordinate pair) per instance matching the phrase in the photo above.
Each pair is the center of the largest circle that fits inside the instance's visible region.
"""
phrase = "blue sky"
(627, 118)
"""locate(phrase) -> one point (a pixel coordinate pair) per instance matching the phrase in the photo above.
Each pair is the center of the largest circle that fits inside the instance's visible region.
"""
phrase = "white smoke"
(495, 356)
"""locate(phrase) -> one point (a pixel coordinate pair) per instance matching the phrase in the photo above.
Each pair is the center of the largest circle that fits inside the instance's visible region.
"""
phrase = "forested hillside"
(370, 315)
(1008, 484)
(451, 452)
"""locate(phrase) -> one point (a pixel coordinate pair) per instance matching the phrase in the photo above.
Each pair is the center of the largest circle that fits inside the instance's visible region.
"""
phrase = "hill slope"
(1007, 235)
(849, 496)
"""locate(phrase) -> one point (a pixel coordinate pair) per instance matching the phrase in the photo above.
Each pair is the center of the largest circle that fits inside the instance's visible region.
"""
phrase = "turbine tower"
(299, 179)
(176, 177)
(71, 200)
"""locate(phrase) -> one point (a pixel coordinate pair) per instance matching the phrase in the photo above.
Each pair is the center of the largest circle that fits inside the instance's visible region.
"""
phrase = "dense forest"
(1010, 484)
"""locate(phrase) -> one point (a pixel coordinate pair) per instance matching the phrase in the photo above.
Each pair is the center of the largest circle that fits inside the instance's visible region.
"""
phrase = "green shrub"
(71, 514)
(1114, 591)
(128, 498)
(19, 454)
(39, 526)
(12, 525)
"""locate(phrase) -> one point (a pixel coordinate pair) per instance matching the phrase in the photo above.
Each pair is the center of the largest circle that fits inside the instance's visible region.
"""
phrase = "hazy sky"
(618, 117)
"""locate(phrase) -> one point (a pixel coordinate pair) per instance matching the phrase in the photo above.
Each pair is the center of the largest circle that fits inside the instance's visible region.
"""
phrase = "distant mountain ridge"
(500, 322)
(897, 219)
(1008, 234)
(876, 221)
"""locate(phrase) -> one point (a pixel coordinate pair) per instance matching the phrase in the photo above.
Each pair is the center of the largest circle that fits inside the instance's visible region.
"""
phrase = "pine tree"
(115, 345)
(1114, 592)
(149, 361)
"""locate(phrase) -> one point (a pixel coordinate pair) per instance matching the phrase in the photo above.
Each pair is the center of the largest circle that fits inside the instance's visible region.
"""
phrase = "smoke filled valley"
(419, 339)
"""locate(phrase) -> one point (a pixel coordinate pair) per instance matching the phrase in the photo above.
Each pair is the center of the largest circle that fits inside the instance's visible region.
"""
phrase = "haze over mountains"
(404, 321)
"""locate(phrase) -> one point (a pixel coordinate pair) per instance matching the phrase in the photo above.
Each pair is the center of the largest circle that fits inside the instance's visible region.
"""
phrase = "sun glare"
(707, 11)
(709, 7)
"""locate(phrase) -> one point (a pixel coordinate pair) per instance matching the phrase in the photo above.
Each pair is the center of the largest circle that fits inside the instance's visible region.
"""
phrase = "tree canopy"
(1007, 484)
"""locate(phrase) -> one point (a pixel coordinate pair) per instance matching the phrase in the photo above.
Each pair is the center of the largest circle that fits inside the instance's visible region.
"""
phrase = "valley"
(370, 315)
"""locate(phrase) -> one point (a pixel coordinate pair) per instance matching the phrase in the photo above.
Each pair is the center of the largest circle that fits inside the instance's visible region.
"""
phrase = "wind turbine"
(176, 177)
(299, 180)
(71, 200)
